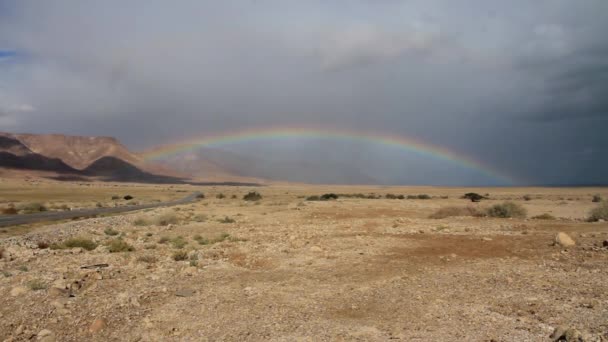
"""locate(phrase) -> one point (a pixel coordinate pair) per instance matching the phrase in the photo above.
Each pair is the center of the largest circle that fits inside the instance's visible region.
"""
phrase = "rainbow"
(282, 132)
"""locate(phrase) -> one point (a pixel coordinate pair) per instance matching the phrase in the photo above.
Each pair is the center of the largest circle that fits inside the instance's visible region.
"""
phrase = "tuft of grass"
(140, 221)
(149, 259)
(527, 198)
(164, 239)
(201, 240)
(180, 255)
(199, 218)
(36, 285)
(227, 219)
(119, 245)
(252, 196)
(6, 274)
(507, 210)
(545, 216)
(84, 243)
(111, 232)
(596, 198)
(599, 213)
(178, 242)
(455, 211)
(220, 196)
(23, 268)
(1, 252)
(200, 196)
(150, 247)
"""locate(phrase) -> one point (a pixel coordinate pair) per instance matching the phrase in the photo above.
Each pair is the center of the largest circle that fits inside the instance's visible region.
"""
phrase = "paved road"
(13, 220)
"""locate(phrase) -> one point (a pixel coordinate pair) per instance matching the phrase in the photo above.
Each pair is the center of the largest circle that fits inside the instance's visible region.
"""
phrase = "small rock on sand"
(564, 240)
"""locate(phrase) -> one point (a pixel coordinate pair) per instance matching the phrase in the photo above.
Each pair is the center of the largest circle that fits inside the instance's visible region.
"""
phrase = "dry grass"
(545, 216)
(507, 210)
(456, 211)
(119, 245)
(180, 255)
(84, 243)
(599, 213)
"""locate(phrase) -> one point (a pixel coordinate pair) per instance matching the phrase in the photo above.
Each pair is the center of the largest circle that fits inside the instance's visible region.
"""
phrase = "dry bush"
(9, 211)
(84, 243)
(456, 211)
(36, 285)
(507, 210)
(43, 244)
(33, 208)
(599, 213)
(119, 245)
(166, 219)
(111, 231)
(149, 259)
(545, 216)
(1, 252)
(596, 198)
(180, 255)
(252, 196)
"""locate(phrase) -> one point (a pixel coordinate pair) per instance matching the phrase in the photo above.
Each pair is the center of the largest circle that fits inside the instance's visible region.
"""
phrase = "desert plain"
(284, 268)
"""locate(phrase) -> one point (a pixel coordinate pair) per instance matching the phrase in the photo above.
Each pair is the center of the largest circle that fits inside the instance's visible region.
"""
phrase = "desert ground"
(284, 268)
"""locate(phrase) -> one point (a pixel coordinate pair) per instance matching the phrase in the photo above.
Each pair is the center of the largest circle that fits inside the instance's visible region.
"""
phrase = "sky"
(521, 86)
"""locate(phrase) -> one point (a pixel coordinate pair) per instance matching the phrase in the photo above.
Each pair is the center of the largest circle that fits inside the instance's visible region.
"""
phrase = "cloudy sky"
(520, 85)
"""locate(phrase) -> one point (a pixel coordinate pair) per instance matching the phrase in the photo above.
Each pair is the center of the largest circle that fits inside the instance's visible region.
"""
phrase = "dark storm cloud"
(508, 83)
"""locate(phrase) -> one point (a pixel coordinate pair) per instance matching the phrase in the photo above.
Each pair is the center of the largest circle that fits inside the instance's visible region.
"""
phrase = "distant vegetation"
(200, 196)
(527, 198)
(9, 211)
(32, 208)
(507, 210)
(599, 213)
(128, 197)
(324, 197)
(596, 198)
(456, 211)
(111, 232)
(473, 196)
(119, 245)
(252, 196)
(220, 196)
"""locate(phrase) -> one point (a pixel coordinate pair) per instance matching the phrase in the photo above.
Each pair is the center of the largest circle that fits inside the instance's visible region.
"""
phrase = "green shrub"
(596, 199)
(599, 213)
(545, 216)
(455, 211)
(507, 210)
(119, 245)
(87, 244)
(180, 255)
(111, 232)
(252, 196)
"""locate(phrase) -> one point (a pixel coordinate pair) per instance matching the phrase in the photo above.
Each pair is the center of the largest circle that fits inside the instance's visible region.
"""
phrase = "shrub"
(33, 208)
(507, 210)
(233, 196)
(455, 211)
(200, 218)
(252, 196)
(412, 197)
(128, 197)
(166, 219)
(599, 213)
(140, 221)
(87, 244)
(149, 259)
(164, 239)
(180, 255)
(201, 240)
(111, 232)
(473, 196)
(227, 220)
(200, 196)
(596, 199)
(9, 211)
(423, 196)
(1, 252)
(178, 242)
(545, 216)
(36, 285)
(313, 198)
(220, 196)
(527, 198)
(119, 245)
(330, 196)
(115, 197)
(42, 244)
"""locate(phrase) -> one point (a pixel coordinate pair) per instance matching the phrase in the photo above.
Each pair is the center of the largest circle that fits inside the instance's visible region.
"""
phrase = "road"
(14, 220)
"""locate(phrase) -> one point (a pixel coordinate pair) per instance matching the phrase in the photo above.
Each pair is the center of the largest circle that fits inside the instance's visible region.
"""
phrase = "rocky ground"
(285, 269)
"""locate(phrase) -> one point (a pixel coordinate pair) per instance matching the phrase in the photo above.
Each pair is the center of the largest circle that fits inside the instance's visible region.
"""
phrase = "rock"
(58, 292)
(316, 249)
(97, 325)
(19, 330)
(564, 240)
(46, 335)
(18, 291)
(562, 333)
(486, 239)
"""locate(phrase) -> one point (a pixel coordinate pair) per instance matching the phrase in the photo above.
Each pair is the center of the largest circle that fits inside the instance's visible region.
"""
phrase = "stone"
(564, 240)
(19, 330)
(46, 335)
(316, 249)
(97, 325)
(58, 292)
(18, 291)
